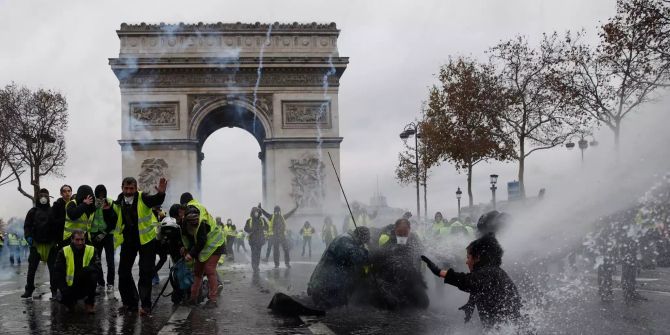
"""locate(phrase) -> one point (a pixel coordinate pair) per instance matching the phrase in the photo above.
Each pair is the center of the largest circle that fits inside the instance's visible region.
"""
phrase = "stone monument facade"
(181, 82)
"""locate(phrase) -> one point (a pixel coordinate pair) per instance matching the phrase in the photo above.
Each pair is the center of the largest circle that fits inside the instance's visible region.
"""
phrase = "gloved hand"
(30, 241)
(431, 266)
(468, 308)
(100, 237)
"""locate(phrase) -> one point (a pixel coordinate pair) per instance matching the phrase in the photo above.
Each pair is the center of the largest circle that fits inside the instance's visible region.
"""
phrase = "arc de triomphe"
(180, 83)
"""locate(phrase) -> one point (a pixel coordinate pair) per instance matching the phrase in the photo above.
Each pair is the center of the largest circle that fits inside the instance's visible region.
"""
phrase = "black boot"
(27, 294)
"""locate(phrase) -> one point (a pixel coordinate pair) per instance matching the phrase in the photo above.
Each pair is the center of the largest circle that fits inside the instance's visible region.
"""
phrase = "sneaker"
(156, 280)
(219, 289)
(90, 309)
(110, 288)
(635, 296)
(27, 294)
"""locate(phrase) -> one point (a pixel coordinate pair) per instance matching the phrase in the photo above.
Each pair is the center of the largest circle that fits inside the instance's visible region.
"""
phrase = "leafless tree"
(36, 139)
(613, 79)
(537, 116)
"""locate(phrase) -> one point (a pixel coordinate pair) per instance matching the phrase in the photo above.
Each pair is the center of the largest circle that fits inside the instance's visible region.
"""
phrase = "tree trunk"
(470, 200)
(522, 163)
(425, 200)
(617, 133)
(36, 185)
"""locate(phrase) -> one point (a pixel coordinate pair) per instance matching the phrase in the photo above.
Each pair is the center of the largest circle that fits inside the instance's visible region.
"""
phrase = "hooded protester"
(204, 244)
(491, 290)
(58, 213)
(76, 271)
(256, 227)
(338, 273)
(39, 231)
(136, 234)
(396, 269)
(79, 212)
(278, 228)
(100, 234)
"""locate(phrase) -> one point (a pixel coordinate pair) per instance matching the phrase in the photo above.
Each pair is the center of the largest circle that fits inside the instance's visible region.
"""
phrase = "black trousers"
(107, 244)
(34, 261)
(255, 255)
(130, 295)
(240, 243)
(230, 244)
(83, 287)
(281, 241)
(271, 243)
(305, 241)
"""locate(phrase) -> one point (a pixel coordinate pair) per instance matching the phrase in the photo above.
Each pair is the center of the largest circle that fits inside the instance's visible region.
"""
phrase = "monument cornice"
(218, 62)
(158, 144)
(224, 28)
(302, 142)
(226, 77)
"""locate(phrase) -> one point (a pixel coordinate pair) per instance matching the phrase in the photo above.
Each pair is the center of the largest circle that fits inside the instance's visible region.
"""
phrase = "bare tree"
(6, 174)
(537, 116)
(462, 123)
(38, 122)
(614, 78)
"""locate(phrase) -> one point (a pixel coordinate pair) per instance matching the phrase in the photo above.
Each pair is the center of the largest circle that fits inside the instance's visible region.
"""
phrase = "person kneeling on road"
(76, 272)
(204, 243)
(494, 294)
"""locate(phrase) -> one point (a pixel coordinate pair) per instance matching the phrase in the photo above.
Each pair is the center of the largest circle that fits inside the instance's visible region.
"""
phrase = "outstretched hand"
(88, 200)
(162, 185)
(431, 266)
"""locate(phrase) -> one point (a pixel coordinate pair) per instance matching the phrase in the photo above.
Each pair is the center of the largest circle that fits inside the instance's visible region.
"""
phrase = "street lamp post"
(582, 143)
(494, 180)
(458, 197)
(412, 129)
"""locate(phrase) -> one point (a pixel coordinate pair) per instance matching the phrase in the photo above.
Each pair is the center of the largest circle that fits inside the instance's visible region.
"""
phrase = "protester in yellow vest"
(306, 232)
(278, 228)
(137, 234)
(14, 245)
(203, 243)
(76, 272)
(79, 212)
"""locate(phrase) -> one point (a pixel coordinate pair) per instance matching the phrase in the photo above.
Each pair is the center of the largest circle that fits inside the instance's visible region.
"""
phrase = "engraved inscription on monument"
(154, 115)
(306, 114)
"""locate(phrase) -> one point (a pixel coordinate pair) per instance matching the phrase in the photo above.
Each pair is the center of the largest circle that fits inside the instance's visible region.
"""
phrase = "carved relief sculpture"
(151, 171)
(306, 114)
(154, 115)
(308, 178)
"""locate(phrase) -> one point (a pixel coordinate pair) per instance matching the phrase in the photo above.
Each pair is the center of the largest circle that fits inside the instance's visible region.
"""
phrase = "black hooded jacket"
(75, 211)
(256, 228)
(40, 225)
(493, 292)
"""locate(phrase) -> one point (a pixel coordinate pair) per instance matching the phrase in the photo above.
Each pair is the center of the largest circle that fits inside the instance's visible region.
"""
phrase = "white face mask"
(129, 200)
(401, 239)
(44, 200)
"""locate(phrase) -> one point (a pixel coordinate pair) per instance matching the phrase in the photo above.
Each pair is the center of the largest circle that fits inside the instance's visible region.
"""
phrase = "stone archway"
(280, 82)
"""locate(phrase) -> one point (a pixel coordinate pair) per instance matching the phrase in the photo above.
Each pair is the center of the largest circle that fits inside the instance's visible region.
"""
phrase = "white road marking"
(176, 319)
(315, 327)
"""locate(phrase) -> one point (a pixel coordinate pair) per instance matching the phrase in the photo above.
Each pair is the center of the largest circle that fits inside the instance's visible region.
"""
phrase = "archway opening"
(230, 172)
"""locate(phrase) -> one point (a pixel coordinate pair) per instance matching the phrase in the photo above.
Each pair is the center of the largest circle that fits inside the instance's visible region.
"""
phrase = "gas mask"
(44, 200)
(402, 239)
(128, 200)
(98, 203)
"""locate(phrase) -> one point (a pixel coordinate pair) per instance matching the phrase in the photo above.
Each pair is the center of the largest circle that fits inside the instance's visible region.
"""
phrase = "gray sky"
(395, 48)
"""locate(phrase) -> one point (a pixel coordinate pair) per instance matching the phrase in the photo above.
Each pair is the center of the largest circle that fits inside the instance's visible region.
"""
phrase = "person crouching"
(204, 243)
(76, 272)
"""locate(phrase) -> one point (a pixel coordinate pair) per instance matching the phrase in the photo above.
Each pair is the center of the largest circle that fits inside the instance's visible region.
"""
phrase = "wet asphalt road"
(570, 308)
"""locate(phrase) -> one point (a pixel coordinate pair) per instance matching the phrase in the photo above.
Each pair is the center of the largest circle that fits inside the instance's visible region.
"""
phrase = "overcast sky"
(395, 48)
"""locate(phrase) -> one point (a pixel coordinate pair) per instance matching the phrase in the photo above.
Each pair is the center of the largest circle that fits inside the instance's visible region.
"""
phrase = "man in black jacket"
(256, 227)
(39, 232)
(76, 272)
(58, 213)
(138, 238)
(494, 294)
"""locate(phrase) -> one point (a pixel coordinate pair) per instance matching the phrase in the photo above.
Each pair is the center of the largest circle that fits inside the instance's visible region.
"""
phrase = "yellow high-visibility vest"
(146, 223)
(82, 223)
(69, 262)
(215, 239)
